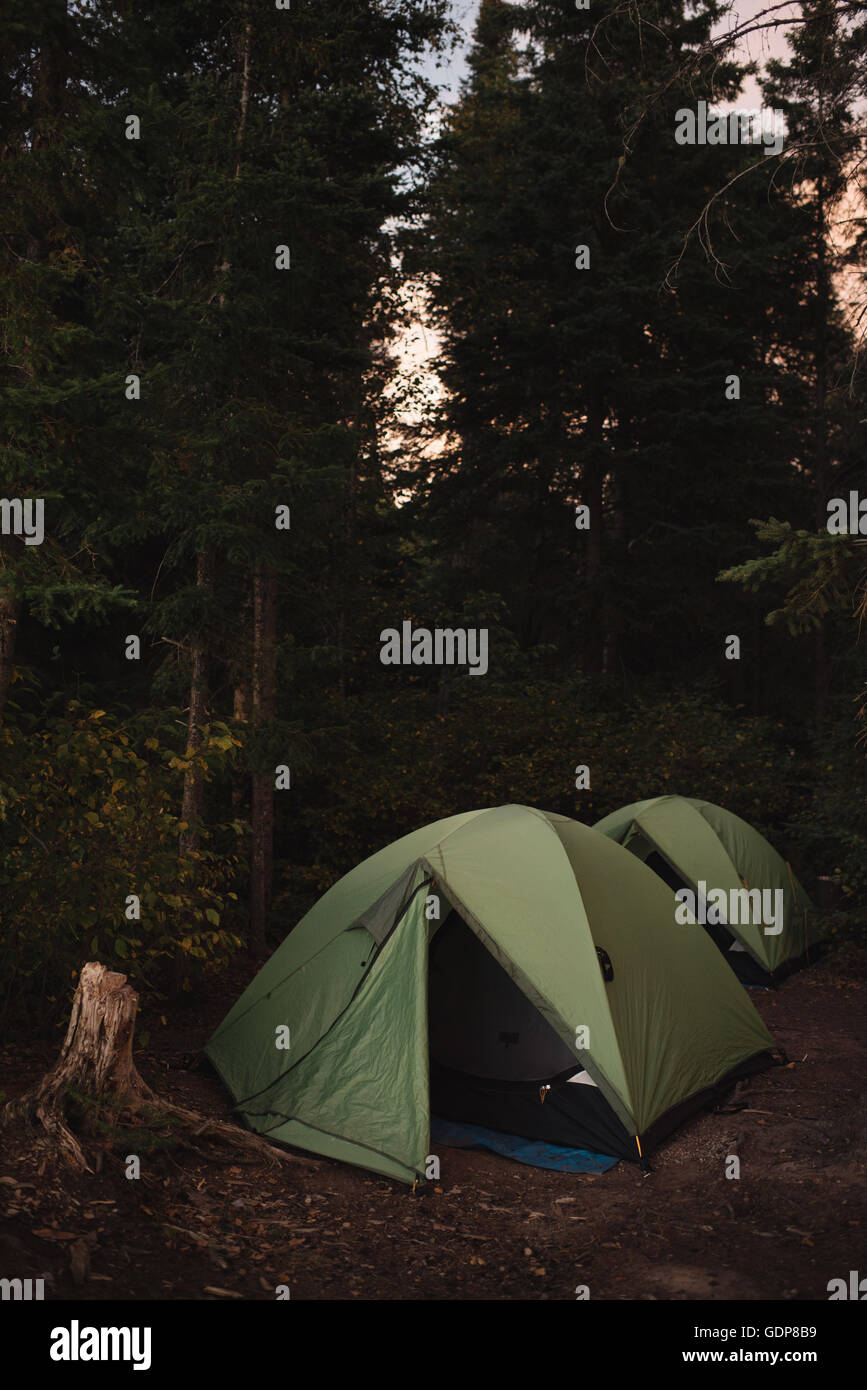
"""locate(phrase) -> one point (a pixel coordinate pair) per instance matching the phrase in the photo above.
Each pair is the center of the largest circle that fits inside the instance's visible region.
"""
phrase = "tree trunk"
(611, 644)
(10, 609)
(821, 668)
(194, 785)
(240, 715)
(245, 95)
(262, 811)
(592, 485)
(822, 471)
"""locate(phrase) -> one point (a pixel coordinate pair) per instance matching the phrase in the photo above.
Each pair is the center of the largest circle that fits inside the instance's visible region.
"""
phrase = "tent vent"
(605, 963)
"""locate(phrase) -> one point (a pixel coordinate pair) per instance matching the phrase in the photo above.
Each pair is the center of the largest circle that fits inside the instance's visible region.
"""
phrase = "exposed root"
(93, 1098)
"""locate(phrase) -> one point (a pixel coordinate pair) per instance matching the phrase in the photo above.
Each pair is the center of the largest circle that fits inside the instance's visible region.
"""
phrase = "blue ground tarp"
(454, 1135)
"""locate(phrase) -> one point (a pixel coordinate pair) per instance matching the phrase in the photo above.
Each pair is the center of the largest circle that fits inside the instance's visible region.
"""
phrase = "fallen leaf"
(79, 1261)
(181, 1230)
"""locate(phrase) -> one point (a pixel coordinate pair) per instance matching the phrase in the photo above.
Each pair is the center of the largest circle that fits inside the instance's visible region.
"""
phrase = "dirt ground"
(209, 1228)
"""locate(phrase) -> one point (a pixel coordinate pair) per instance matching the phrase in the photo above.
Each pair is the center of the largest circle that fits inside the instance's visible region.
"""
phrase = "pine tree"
(815, 88)
(235, 257)
(66, 180)
(603, 387)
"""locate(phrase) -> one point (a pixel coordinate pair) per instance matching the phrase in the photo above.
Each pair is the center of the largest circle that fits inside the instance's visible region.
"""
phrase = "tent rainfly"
(696, 845)
(479, 968)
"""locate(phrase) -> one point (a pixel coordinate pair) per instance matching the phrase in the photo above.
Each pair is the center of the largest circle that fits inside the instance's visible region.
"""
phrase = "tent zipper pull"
(543, 1091)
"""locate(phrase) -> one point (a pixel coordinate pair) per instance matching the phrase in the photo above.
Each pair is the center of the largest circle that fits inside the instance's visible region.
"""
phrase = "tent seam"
(631, 1101)
(350, 926)
(254, 1095)
(696, 806)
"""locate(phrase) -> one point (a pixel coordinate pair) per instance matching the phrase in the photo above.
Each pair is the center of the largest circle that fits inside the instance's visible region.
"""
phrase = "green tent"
(453, 972)
(690, 842)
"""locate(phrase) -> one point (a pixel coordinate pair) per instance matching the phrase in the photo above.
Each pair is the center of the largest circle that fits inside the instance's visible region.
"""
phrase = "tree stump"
(95, 1061)
(95, 1076)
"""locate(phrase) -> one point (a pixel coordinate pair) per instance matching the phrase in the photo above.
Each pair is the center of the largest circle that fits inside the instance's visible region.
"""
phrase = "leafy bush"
(89, 816)
(400, 764)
